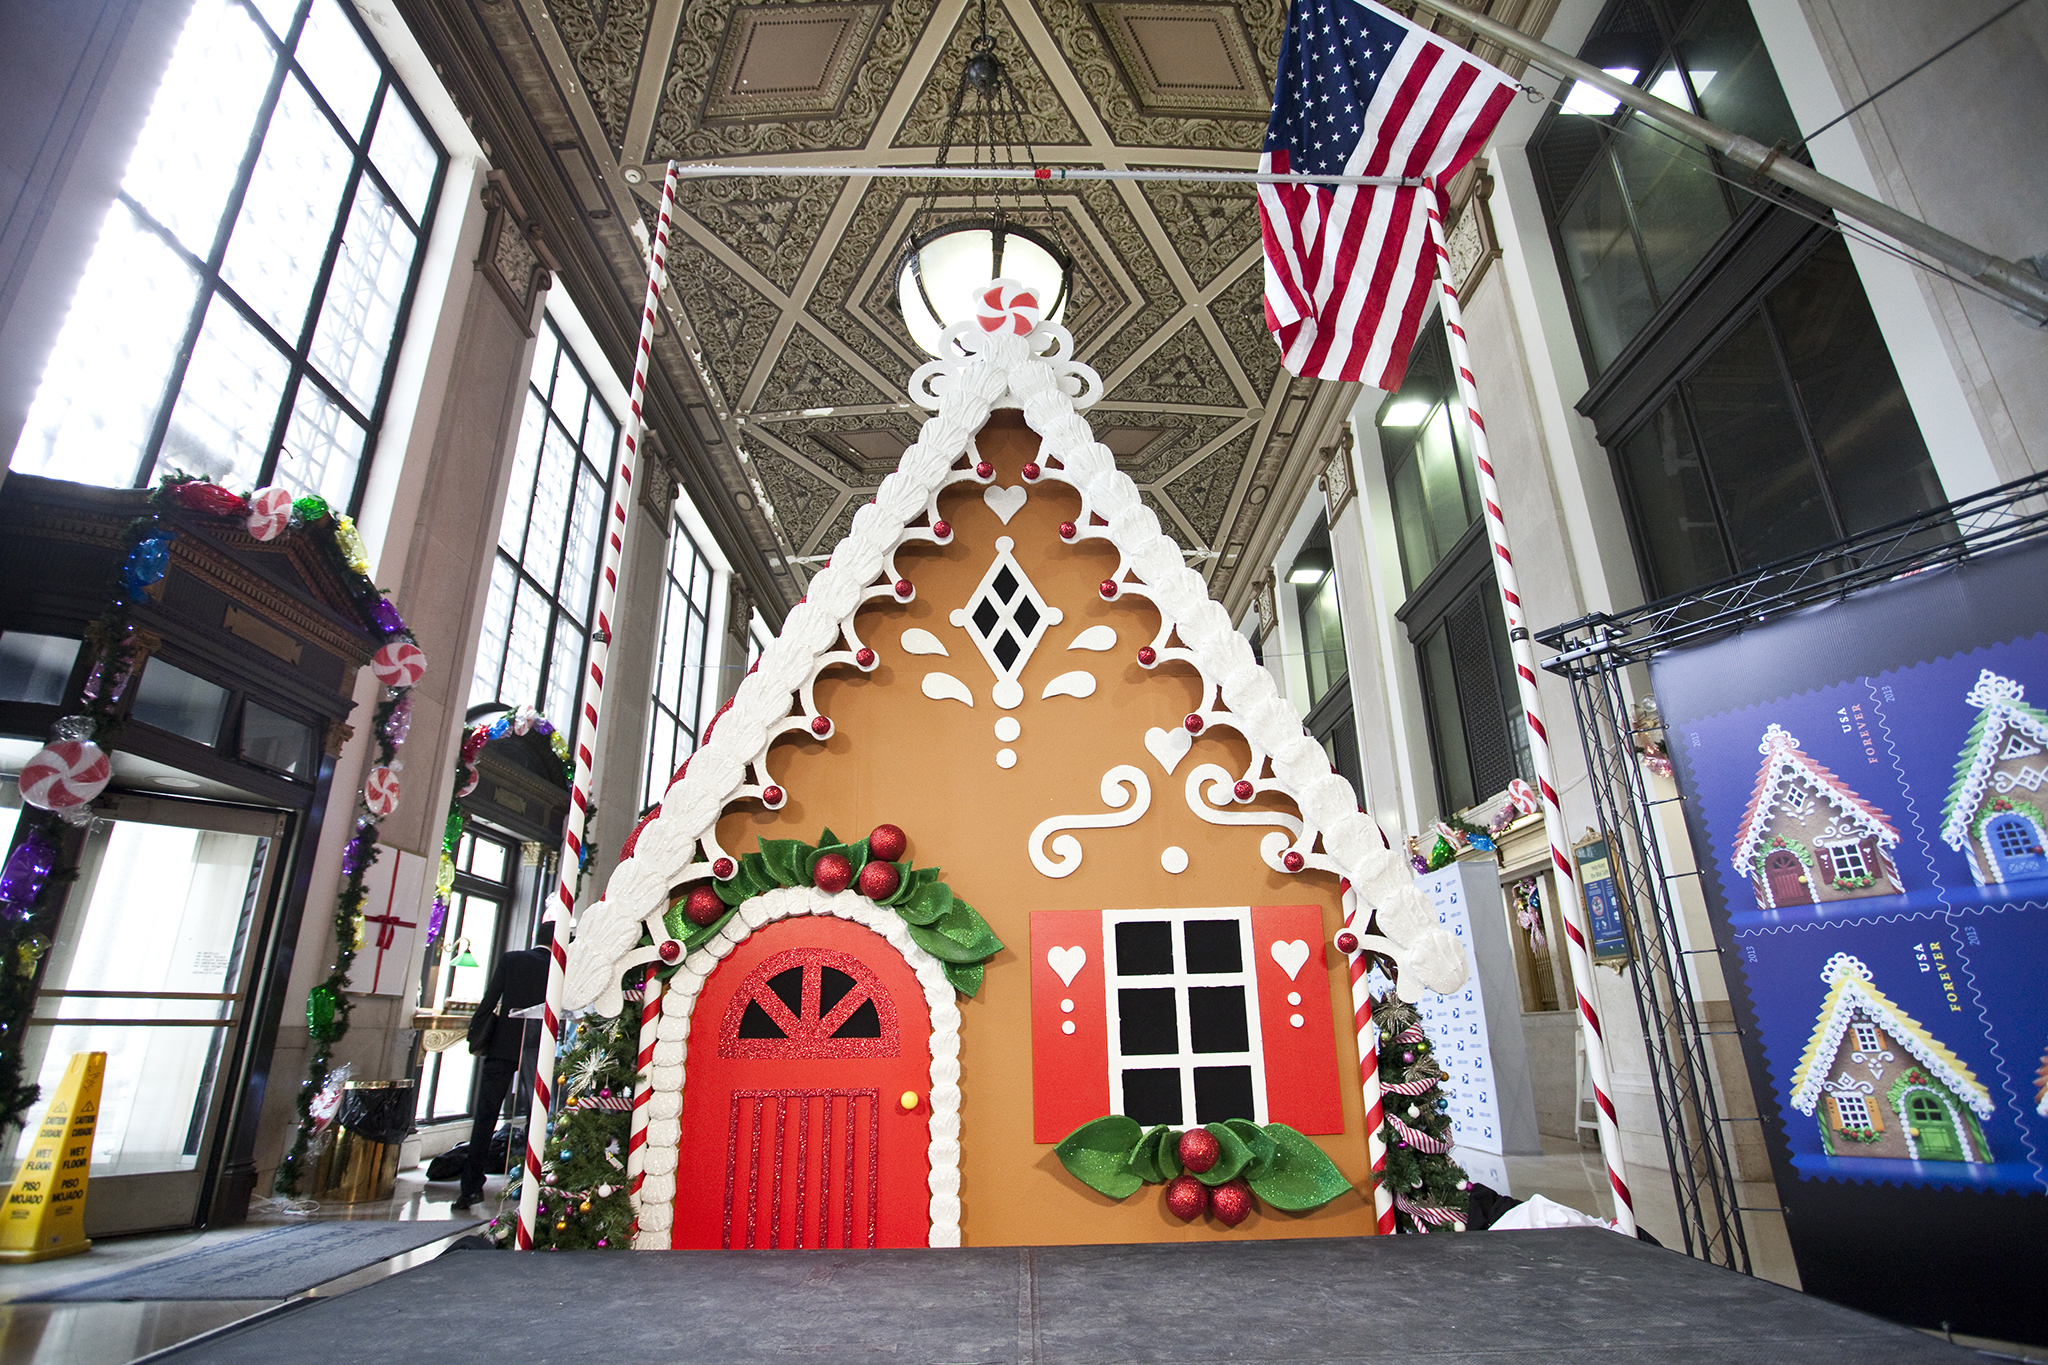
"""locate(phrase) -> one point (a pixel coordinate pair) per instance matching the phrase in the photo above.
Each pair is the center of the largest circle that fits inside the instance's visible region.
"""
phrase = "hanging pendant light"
(946, 262)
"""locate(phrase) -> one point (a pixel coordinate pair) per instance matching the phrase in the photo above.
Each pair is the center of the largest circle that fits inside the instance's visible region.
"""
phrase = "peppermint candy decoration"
(68, 773)
(398, 664)
(1007, 306)
(469, 780)
(380, 792)
(1523, 797)
(270, 511)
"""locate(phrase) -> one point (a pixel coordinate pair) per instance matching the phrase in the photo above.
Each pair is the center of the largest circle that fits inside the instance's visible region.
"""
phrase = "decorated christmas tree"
(1429, 1188)
(584, 1201)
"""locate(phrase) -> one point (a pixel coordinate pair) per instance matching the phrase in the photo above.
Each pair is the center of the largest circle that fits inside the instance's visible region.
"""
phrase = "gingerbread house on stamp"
(1807, 837)
(1102, 873)
(1992, 816)
(1880, 1085)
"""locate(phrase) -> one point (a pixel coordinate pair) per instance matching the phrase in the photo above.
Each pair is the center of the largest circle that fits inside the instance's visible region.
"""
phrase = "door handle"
(908, 1101)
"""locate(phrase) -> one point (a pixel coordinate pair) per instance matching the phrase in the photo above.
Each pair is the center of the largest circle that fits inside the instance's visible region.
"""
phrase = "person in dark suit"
(519, 981)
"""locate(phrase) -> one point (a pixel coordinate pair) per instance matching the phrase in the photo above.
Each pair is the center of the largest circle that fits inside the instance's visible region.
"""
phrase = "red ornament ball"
(878, 881)
(1231, 1202)
(887, 843)
(1107, 588)
(942, 530)
(904, 588)
(865, 658)
(723, 869)
(821, 726)
(1293, 861)
(1147, 656)
(1243, 790)
(1347, 943)
(984, 470)
(771, 796)
(703, 907)
(670, 950)
(1068, 530)
(1193, 723)
(1199, 1149)
(1031, 471)
(832, 873)
(211, 498)
(1187, 1198)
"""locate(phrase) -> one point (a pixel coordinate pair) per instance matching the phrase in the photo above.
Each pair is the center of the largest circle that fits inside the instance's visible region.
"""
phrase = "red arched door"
(1787, 874)
(802, 1045)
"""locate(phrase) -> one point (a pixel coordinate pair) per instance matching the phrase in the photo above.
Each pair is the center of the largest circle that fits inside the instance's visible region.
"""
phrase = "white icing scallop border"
(655, 1202)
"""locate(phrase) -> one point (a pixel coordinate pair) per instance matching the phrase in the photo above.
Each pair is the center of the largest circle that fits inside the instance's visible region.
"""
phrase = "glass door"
(456, 973)
(152, 965)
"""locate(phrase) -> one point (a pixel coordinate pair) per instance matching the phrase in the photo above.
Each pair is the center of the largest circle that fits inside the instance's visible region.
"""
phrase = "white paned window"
(685, 686)
(1854, 1111)
(1866, 1037)
(1796, 800)
(536, 630)
(1184, 1044)
(240, 314)
(1848, 860)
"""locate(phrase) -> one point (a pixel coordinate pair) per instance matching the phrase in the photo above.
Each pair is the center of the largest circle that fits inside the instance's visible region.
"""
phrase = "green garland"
(2001, 805)
(940, 922)
(1774, 843)
(1115, 1156)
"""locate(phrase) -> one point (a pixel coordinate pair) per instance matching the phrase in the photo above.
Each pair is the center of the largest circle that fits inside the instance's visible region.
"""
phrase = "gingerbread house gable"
(1222, 698)
(1789, 769)
(2007, 732)
(1852, 995)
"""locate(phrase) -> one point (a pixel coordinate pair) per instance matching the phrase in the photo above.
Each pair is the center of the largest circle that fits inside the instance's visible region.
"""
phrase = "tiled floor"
(116, 1333)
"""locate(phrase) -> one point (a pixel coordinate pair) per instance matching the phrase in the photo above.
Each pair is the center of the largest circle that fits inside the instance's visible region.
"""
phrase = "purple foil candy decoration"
(543, 728)
(386, 617)
(28, 867)
(437, 919)
(352, 854)
(399, 724)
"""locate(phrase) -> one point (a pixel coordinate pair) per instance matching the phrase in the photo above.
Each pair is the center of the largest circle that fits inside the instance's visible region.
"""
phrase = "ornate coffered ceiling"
(782, 361)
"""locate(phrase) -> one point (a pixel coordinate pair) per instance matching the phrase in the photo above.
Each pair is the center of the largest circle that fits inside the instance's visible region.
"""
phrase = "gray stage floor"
(1582, 1297)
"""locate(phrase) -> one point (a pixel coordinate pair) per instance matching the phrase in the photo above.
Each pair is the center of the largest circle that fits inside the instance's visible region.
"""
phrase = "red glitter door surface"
(802, 1045)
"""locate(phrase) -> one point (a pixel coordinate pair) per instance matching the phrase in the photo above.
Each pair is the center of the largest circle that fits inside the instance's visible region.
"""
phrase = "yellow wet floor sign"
(45, 1210)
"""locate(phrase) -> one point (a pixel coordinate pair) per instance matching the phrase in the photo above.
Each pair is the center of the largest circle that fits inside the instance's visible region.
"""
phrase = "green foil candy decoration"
(311, 508)
(320, 1012)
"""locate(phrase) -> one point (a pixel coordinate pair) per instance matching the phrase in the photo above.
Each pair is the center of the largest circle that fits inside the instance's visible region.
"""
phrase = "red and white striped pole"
(1575, 925)
(643, 1089)
(584, 750)
(1369, 1082)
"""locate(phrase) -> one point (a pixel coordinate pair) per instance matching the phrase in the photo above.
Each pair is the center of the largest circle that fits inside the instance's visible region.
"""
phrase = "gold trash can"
(361, 1161)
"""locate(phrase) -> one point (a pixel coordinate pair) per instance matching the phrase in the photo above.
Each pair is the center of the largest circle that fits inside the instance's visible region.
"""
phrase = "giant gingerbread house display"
(1807, 837)
(1109, 873)
(1992, 815)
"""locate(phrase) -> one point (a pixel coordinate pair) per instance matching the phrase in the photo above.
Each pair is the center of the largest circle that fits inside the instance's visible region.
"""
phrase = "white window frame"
(1867, 1040)
(1186, 1059)
(1842, 1103)
(1851, 853)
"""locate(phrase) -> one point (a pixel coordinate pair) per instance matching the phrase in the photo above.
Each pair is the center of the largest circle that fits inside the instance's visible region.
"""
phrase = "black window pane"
(1026, 617)
(1216, 1019)
(1446, 721)
(276, 741)
(1870, 445)
(1144, 948)
(985, 617)
(864, 1022)
(1605, 271)
(755, 1023)
(1146, 1026)
(1007, 649)
(1750, 436)
(1681, 536)
(789, 989)
(1153, 1096)
(1732, 75)
(1478, 672)
(833, 985)
(1565, 153)
(1005, 585)
(1679, 209)
(1213, 945)
(172, 699)
(1222, 1092)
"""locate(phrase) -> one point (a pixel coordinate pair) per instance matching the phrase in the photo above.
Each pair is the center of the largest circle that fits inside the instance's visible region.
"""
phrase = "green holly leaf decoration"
(1156, 1158)
(787, 860)
(943, 948)
(1231, 1158)
(1299, 1177)
(931, 902)
(1258, 1140)
(828, 846)
(965, 976)
(905, 885)
(1098, 1155)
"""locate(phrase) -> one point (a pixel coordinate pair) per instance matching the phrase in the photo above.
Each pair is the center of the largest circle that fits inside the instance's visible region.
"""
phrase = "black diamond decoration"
(1026, 617)
(985, 617)
(1007, 649)
(1005, 584)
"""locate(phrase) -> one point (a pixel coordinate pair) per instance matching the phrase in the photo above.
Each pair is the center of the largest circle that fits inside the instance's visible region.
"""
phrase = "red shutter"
(1069, 1071)
(1301, 1060)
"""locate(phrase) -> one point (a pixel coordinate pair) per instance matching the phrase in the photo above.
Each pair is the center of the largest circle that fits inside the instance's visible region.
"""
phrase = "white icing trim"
(1079, 683)
(2000, 698)
(1096, 638)
(1067, 848)
(918, 640)
(1035, 373)
(654, 1203)
(1852, 993)
(946, 687)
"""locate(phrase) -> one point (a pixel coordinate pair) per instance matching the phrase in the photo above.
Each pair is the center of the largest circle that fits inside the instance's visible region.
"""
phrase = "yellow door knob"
(908, 1100)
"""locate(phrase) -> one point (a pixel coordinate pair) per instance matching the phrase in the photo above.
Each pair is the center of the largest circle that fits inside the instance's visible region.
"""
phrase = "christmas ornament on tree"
(1429, 1188)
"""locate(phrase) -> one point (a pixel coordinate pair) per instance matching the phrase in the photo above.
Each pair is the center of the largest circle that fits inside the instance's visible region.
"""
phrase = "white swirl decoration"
(1067, 849)
(1220, 791)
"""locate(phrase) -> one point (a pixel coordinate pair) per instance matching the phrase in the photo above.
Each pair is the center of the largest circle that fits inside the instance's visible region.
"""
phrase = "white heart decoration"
(1004, 502)
(1290, 956)
(1068, 962)
(1168, 746)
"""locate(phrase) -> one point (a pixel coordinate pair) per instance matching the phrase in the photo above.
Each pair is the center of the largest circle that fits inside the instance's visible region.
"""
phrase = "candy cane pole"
(1575, 926)
(1369, 1079)
(585, 748)
(643, 1090)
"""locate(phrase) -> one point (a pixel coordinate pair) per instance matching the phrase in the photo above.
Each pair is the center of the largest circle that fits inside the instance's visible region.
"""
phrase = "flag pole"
(1574, 910)
(584, 750)
(716, 171)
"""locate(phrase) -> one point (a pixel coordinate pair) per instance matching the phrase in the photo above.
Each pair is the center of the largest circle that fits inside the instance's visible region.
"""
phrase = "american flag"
(1362, 92)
